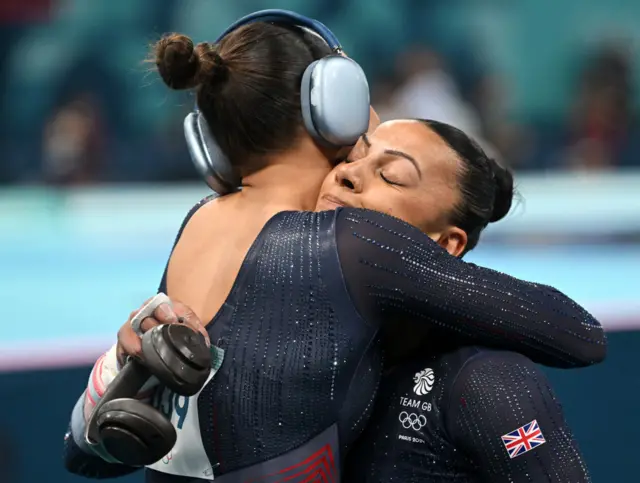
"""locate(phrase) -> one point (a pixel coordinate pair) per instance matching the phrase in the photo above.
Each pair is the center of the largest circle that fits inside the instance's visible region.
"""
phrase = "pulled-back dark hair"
(248, 85)
(486, 187)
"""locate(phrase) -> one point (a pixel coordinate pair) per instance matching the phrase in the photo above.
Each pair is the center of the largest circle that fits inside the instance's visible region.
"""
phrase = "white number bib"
(188, 457)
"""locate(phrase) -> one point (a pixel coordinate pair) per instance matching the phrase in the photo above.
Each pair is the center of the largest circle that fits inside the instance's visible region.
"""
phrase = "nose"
(349, 176)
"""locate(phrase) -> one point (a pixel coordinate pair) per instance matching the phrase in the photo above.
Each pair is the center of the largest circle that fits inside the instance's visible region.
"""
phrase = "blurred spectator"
(21, 10)
(429, 92)
(512, 140)
(423, 59)
(601, 121)
(382, 98)
(16, 16)
(73, 143)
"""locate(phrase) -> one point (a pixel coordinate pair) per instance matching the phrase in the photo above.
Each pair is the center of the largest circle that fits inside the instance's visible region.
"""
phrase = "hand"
(129, 343)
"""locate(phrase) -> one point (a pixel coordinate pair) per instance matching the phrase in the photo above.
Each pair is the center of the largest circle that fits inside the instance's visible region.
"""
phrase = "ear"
(453, 240)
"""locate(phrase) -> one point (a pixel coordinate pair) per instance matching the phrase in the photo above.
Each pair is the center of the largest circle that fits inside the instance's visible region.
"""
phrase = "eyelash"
(384, 178)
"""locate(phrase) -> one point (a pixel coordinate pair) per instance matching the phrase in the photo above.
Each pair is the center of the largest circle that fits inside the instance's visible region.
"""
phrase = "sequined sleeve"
(504, 417)
(393, 270)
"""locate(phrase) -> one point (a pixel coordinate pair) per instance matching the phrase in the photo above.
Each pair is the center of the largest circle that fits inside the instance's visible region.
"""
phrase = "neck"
(291, 180)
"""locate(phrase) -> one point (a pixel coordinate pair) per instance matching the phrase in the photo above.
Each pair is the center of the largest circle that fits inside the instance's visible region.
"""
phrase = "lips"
(333, 200)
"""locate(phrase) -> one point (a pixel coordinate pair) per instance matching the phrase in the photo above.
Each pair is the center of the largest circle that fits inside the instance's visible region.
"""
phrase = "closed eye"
(388, 181)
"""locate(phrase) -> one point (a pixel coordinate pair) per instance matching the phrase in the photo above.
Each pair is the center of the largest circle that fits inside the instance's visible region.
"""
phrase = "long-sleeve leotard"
(343, 275)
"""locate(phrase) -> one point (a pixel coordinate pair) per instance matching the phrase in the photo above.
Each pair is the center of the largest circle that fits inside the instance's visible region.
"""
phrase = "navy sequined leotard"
(300, 330)
(468, 415)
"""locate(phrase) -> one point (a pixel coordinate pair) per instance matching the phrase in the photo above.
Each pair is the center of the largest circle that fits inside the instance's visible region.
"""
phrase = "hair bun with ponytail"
(183, 65)
(503, 192)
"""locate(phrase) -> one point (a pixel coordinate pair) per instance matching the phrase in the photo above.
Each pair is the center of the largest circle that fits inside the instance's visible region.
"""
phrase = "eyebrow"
(394, 152)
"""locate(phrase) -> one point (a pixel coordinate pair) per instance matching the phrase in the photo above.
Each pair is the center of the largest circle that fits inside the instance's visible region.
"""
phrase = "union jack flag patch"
(523, 439)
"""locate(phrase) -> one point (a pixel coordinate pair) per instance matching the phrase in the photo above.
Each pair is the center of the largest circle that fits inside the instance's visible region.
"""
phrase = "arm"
(496, 393)
(79, 458)
(393, 270)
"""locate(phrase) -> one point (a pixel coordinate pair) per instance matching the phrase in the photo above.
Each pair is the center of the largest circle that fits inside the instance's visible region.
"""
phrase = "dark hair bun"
(504, 192)
(183, 65)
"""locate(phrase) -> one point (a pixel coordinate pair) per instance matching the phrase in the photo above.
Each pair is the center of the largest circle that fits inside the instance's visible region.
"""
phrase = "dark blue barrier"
(601, 404)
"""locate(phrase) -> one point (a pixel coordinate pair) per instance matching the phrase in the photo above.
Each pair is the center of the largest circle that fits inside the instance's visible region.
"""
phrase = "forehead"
(434, 156)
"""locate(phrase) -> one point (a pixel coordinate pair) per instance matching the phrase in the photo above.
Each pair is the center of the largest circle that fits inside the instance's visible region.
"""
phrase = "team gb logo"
(424, 382)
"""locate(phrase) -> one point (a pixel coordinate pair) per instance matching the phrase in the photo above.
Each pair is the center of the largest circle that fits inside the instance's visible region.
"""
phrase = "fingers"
(149, 316)
(129, 342)
(177, 313)
(191, 320)
(149, 323)
(164, 314)
(197, 326)
(135, 312)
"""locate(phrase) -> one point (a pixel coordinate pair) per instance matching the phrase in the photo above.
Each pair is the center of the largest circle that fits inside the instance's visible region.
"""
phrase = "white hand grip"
(147, 311)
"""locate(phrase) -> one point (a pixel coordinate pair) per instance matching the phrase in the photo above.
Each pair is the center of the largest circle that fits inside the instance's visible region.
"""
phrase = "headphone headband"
(334, 100)
(286, 16)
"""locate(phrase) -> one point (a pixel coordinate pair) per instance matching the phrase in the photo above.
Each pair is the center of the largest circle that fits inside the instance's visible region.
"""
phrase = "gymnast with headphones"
(281, 381)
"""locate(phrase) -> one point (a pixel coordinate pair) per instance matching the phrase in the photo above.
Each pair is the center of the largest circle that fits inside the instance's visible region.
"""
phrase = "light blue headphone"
(334, 98)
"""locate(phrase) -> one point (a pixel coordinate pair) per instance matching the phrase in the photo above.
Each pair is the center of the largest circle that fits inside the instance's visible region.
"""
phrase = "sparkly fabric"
(453, 432)
(393, 271)
(294, 345)
(300, 328)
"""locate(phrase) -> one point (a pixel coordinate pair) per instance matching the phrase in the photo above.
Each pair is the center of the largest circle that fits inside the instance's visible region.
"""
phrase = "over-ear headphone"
(334, 97)
(131, 431)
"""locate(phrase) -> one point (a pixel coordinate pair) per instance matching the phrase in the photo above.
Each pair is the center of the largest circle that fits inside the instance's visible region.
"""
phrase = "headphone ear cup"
(306, 103)
(207, 157)
(178, 357)
(134, 433)
(335, 101)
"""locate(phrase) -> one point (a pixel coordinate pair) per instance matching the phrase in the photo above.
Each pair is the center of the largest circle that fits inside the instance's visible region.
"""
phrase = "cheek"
(327, 186)
(328, 182)
(392, 202)
(423, 212)
(433, 213)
